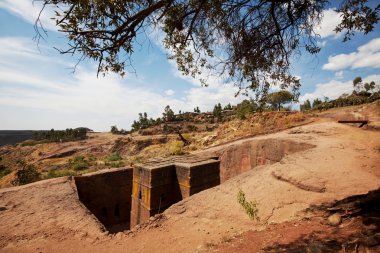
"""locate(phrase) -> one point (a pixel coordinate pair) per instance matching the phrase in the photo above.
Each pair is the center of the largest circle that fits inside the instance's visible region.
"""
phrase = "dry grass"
(256, 124)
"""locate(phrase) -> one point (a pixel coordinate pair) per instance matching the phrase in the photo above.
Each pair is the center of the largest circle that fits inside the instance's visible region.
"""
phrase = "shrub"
(187, 137)
(80, 166)
(91, 158)
(26, 174)
(250, 207)
(79, 158)
(177, 148)
(4, 171)
(79, 162)
(114, 157)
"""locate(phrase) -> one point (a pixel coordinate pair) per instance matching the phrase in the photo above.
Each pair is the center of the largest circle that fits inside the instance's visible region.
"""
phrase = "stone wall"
(237, 159)
(107, 194)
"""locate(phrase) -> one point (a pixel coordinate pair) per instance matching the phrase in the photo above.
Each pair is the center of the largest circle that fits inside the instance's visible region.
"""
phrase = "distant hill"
(9, 137)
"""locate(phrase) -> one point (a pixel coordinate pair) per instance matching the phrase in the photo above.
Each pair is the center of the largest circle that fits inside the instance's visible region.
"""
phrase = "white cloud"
(30, 81)
(334, 88)
(169, 92)
(367, 55)
(85, 95)
(330, 20)
(29, 11)
(339, 74)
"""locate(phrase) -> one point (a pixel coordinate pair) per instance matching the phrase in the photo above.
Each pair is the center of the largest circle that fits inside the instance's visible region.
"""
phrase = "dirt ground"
(47, 217)
(358, 231)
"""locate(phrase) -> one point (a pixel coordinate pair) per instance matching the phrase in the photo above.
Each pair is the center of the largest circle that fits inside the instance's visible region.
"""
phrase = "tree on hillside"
(369, 86)
(372, 86)
(144, 122)
(245, 108)
(306, 106)
(257, 38)
(316, 102)
(114, 129)
(61, 135)
(196, 109)
(217, 112)
(228, 107)
(168, 114)
(277, 99)
(357, 83)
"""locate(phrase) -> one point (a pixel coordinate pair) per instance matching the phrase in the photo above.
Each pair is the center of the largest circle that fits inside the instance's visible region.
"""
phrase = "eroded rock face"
(237, 159)
(107, 194)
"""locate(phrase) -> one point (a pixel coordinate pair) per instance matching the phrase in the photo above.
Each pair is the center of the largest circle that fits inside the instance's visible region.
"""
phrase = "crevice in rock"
(300, 185)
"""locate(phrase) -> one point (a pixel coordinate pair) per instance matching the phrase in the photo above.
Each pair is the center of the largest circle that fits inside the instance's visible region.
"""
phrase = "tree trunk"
(185, 142)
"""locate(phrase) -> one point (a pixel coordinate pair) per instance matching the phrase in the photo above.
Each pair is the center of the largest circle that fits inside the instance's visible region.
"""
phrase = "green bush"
(250, 207)
(79, 162)
(80, 166)
(26, 174)
(114, 157)
(79, 158)
(4, 171)
(91, 158)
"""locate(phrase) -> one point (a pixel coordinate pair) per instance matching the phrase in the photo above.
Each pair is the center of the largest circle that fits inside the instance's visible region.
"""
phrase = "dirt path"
(344, 162)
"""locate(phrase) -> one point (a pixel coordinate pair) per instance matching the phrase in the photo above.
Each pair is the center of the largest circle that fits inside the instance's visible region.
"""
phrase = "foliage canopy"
(276, 99)
(247, 42)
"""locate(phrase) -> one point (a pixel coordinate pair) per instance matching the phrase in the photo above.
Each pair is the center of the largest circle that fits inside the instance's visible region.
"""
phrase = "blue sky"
(38, 89)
